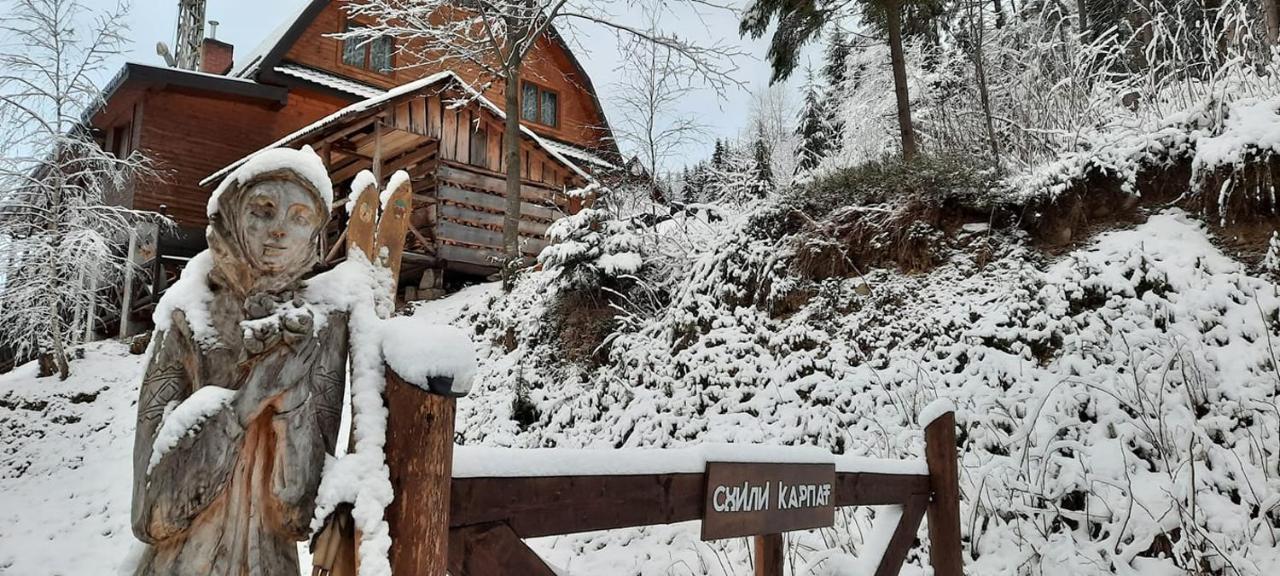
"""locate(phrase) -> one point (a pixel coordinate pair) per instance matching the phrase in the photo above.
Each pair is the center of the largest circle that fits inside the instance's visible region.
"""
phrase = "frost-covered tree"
(800, 21)
(591, 247)
(496, 36)
(812, 130)
(739, 180)
(647, 117)
(835, 70)
(63, 240)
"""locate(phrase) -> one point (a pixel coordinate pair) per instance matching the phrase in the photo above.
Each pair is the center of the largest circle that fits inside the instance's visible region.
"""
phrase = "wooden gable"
(550, 65)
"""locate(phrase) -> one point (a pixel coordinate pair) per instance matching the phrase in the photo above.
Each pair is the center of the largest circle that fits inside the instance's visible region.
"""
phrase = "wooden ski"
(393, 226)
(364, 216)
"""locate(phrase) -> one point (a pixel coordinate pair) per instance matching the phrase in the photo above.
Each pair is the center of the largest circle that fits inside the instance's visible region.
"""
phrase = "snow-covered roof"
(328, 80)
(579, 154)
(248, 68)
(384, 97)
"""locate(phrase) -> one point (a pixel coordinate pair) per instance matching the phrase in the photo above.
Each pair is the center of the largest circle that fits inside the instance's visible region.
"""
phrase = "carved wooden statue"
(232, 490)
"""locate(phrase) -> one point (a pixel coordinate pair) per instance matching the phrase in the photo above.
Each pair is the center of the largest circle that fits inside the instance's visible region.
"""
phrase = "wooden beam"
(477, 177)
(565, 505)
(768, 555)
(945, 553)
(448, 230)
(377, 151)
(868, 489)
(490, 550)
(903, 538)
(488, 219)
(494, 202)
(419, 452)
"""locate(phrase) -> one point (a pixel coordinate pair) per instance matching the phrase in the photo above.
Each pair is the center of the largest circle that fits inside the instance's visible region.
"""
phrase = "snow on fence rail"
(468, 511)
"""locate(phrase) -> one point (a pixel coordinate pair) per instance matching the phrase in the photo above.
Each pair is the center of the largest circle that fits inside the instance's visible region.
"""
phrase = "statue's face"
(279, 224)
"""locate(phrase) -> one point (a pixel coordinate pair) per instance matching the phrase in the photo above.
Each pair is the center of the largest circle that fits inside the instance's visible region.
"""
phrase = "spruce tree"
(813, 128)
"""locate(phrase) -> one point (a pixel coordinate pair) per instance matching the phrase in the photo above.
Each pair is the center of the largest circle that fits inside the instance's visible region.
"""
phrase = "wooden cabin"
(302, 86)
(449, 138)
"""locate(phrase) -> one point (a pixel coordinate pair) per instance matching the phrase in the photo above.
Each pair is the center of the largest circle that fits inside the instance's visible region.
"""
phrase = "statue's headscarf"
(232, 264)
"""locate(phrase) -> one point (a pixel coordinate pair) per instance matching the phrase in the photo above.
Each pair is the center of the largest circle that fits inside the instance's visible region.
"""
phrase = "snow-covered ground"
(1122, 391)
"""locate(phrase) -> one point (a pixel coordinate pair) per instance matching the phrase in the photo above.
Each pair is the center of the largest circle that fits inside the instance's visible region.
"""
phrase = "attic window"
(368, 54)
(538, 104)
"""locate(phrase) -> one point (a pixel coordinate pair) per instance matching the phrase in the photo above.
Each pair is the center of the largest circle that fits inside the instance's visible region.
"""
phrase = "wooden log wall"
(461, 204)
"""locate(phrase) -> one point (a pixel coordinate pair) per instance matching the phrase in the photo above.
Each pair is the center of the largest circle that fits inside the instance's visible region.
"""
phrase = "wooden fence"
(476, 526)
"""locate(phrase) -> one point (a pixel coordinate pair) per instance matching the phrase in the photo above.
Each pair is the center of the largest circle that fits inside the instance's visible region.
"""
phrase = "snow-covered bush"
(591, 247)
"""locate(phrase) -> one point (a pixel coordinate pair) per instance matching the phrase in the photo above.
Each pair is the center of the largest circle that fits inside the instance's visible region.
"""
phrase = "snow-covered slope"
(66, 463)
(1118, 404)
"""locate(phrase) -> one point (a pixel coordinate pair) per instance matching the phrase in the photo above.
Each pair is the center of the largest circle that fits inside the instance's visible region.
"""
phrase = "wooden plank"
(468, 216)
(768, 555)
(433, 115)
(418, 116)
(495, 147)
(494, 202)
(869, 489)
(904, 537)
(474, 177)
(481, 258)
(945, 553)
(566, 505)
(419, 452)
(402, 117)
(490, 550)
(463, 152)
(461, 233)
(449, 134)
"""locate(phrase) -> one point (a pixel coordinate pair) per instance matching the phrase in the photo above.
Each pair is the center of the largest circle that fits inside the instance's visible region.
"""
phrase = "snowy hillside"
(1117, 403)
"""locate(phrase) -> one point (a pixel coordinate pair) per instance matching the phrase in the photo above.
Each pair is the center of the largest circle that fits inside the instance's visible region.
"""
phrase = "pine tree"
(836, 60)
(813, 128)
(717, 157)
(762, 156)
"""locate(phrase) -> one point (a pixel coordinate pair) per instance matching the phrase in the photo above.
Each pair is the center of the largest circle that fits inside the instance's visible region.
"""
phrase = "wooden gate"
(488, 517)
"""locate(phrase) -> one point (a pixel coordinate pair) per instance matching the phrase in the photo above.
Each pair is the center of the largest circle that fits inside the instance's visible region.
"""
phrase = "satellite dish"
(163, 50)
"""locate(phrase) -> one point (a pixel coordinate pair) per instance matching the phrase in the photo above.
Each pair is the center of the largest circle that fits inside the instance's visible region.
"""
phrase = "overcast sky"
(245, 23)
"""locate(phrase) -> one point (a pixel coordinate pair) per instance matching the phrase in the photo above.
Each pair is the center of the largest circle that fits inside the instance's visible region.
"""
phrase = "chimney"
(216, 57)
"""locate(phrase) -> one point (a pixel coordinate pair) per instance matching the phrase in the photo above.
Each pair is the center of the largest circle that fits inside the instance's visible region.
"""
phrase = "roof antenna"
(190, 34)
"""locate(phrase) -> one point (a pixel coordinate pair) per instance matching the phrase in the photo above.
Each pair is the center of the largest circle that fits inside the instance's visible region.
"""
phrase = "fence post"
(419, 451)
(940, 454)
(769, 555)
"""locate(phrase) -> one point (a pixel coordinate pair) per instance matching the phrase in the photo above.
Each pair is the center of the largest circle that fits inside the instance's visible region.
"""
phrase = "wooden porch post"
(769, 555)
(419, 450)
(940, 454)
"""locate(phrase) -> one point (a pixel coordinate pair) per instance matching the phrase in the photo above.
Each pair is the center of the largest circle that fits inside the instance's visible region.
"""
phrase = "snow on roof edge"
(388, 95)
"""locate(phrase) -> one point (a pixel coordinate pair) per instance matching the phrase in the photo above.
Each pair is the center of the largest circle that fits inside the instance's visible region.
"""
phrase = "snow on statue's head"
(266, 218)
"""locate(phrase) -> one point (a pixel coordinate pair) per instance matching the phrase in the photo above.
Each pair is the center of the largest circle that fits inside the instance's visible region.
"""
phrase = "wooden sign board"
(747, 499)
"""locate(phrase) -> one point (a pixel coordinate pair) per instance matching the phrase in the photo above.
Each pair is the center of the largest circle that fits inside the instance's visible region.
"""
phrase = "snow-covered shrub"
(591, 247)
(933, 177)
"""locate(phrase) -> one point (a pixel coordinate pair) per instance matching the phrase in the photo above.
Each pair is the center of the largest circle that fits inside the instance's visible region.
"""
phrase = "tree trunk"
(511, 141)
(980, 75)
(1271, 8)
(1082, 16)
(893, 19)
